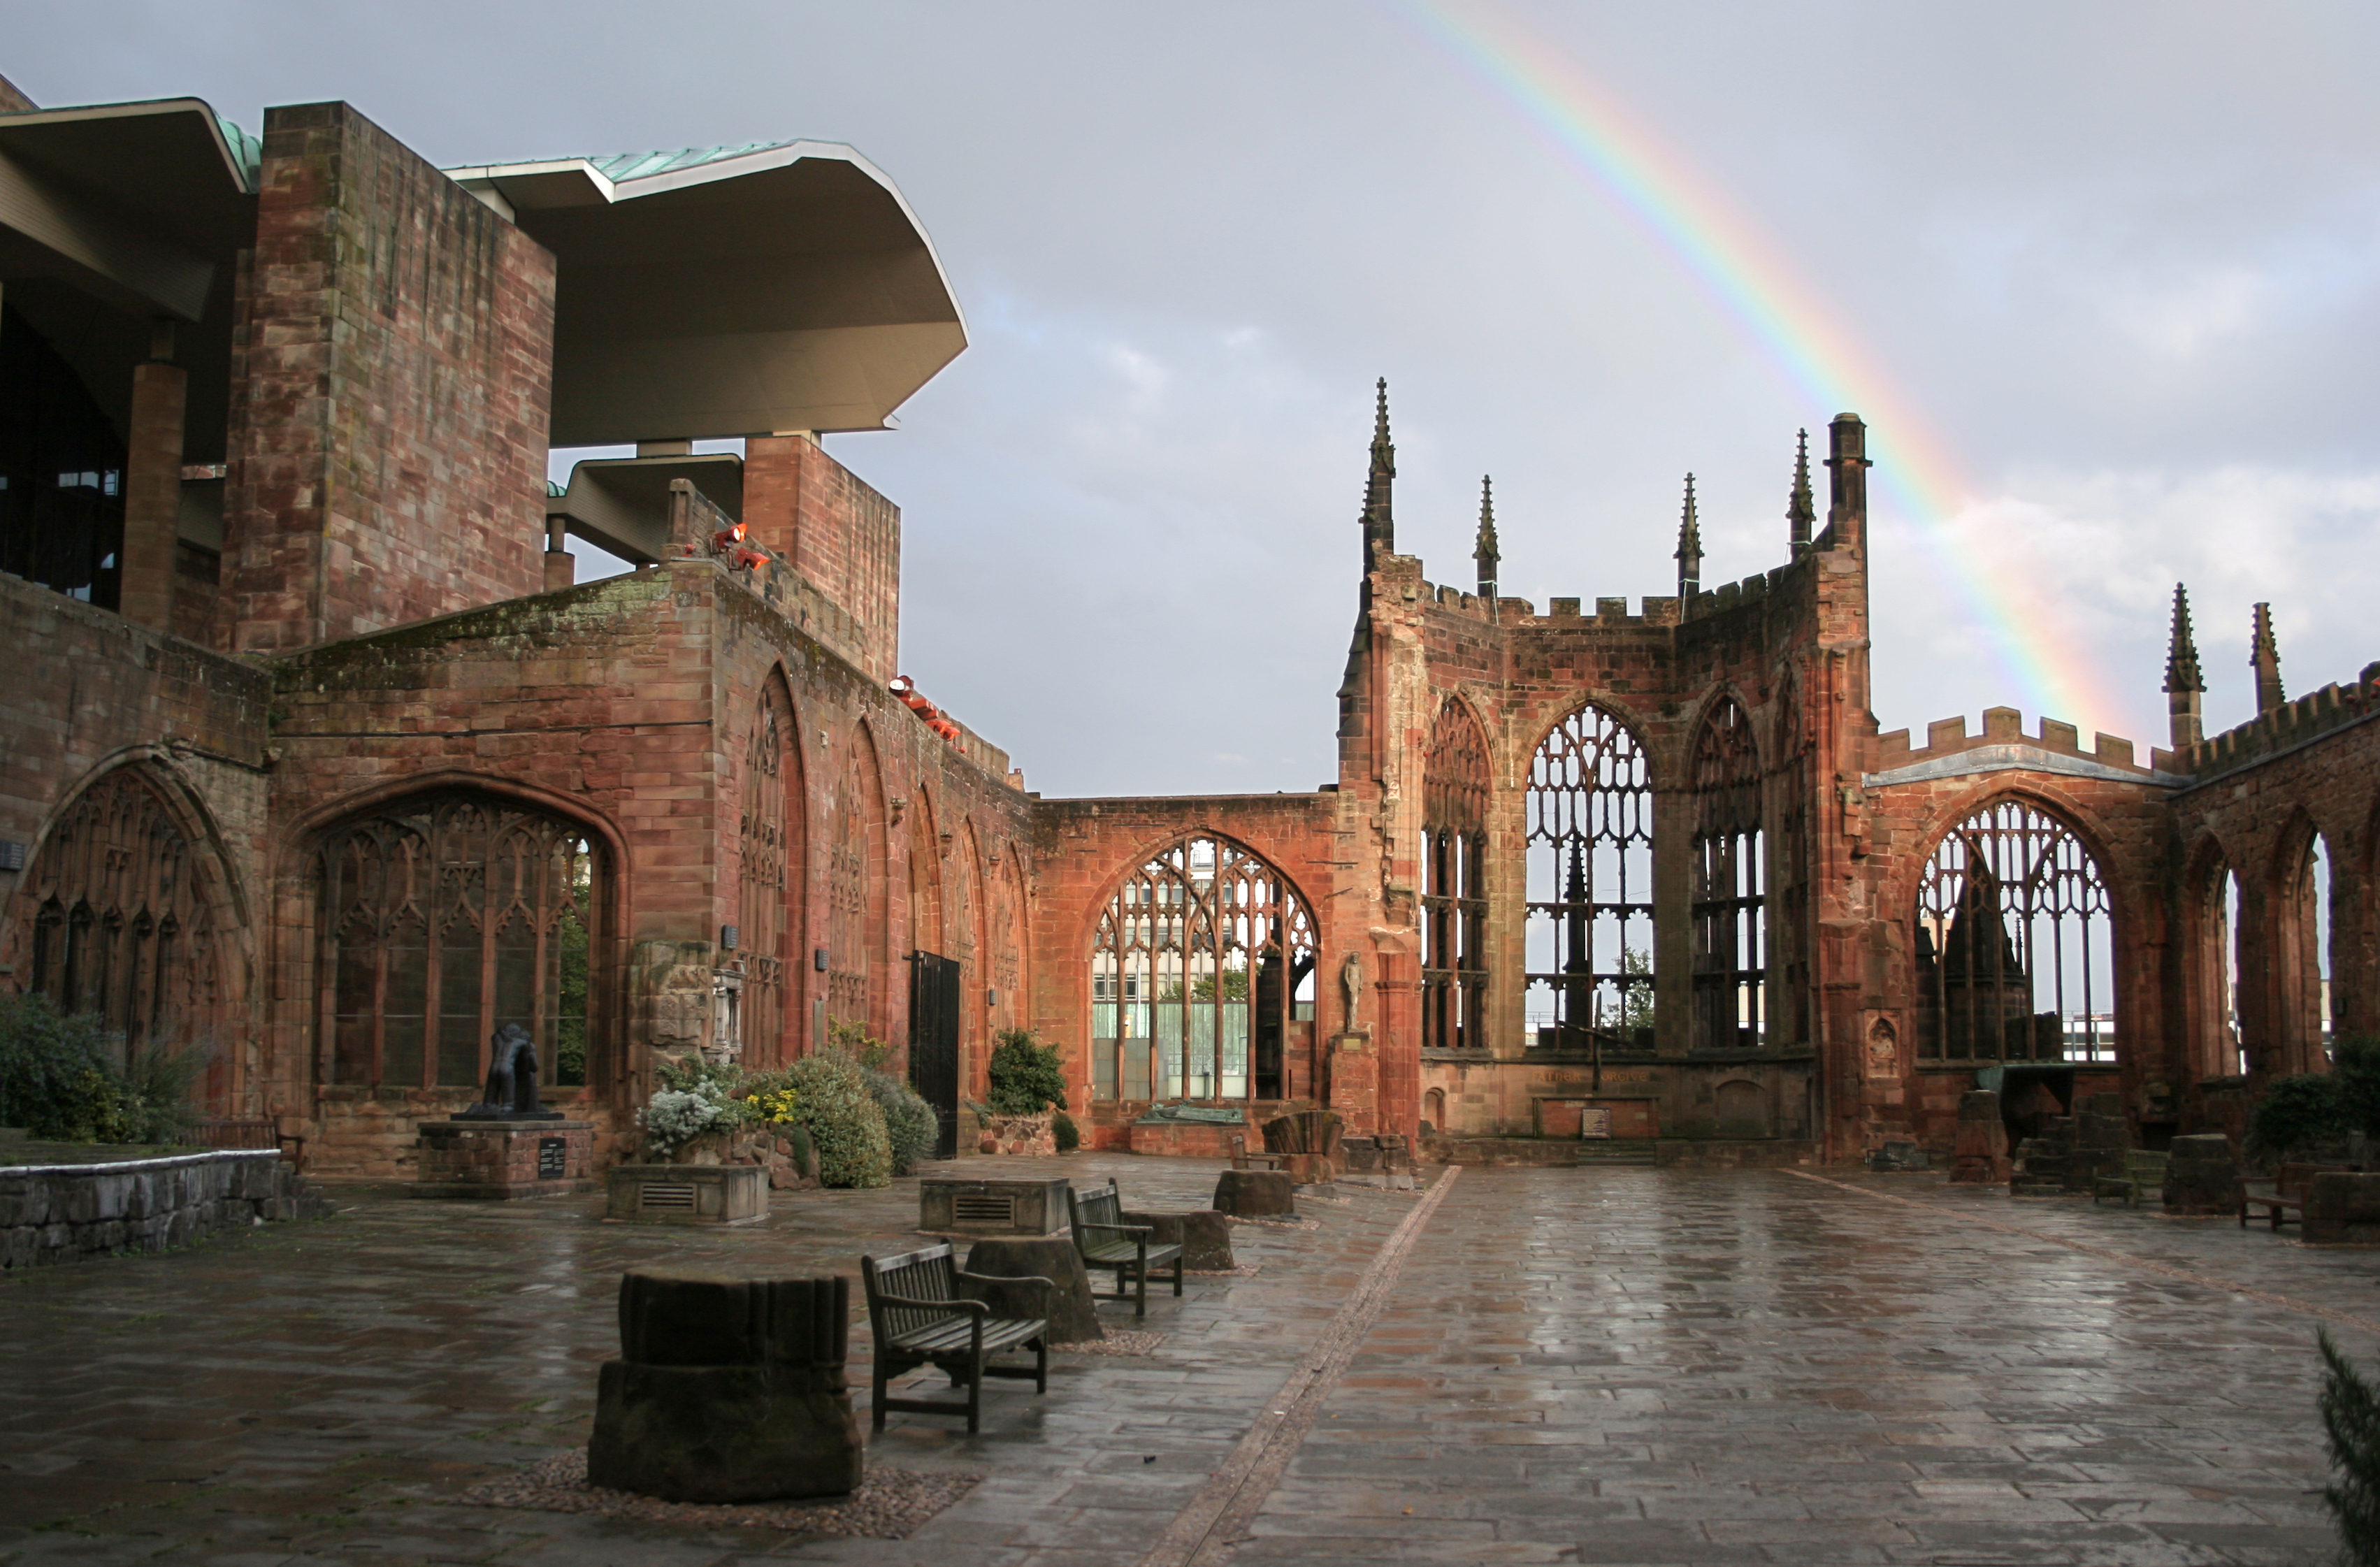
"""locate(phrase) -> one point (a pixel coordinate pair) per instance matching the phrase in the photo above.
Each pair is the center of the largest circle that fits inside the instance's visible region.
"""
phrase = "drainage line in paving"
(1202, 1533)
(2206, 1281)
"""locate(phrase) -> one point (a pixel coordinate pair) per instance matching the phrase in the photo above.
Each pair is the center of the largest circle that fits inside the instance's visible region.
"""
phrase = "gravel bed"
(1238, 1271)
(1277, 1224)
(1119, 1341)
(889, 1505)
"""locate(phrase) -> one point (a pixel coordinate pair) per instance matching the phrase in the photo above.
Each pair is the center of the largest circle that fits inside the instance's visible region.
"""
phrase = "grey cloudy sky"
(2120, 262)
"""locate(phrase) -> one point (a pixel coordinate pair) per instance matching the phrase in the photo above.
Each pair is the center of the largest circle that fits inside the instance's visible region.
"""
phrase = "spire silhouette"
(1483, 548)
(1380, 520)
(2183, 683)
(1690, 549)
(2265, 657)
(1801, 512)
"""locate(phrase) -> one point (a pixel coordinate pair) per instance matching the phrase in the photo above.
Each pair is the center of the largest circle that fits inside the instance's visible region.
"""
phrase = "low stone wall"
(63, 1212)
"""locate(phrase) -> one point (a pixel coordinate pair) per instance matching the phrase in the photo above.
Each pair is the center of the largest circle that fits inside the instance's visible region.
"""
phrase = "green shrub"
(1063, 1128)
(2351, 1419)
(2297, 1114)
(846, 1124)
(910, 1123)
(58, 1080)
(2356, 1065)
(1026, 1076)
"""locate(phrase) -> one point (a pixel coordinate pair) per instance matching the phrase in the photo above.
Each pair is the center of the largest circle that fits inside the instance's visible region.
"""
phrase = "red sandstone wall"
(394, 357)
(835, 531)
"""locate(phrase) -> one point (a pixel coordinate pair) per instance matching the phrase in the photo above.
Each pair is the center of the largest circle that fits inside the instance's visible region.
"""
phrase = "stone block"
(2342, 1207)
(686, 1194)
(1072, 1309)
(1204, 1235)
(1256, 1194)
(2202, 1175)
(1028, 1207)
(774, 1422)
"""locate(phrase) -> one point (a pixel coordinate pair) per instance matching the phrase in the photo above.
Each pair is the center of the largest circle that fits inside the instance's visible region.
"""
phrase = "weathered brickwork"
(835, 532)
(395, 342)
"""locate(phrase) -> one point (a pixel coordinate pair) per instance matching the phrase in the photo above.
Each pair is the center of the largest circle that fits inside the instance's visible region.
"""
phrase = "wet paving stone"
(1615, 1366)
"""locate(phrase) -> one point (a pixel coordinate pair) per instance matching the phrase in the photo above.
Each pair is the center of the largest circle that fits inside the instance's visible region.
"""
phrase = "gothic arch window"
(1590, 887)
(926, 929)
(121, 928)
(1454, 894)
(854, 891)
(2215, 966)
(2015, 943)
(964, 934)
(1729, 885)
(1202, 980)
(769, 834)
(443, 917)
(2304, 910)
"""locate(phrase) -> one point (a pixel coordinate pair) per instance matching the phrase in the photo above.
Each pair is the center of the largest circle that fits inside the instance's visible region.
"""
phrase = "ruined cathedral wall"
(1891, 826)
(92, 692)
(1083, 850)
(2259, 798)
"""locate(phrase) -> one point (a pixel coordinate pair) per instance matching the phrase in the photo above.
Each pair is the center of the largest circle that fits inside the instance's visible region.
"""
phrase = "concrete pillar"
(152, 494)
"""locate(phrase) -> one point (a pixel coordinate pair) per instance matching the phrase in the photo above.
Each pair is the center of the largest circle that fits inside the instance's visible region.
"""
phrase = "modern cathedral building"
(320, 762)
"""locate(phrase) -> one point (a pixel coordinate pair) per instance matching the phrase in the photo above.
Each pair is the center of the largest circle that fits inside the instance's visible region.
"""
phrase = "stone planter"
(1204, 1235)
(1256, 1194)
(687, 1193)
(2342, 1208)
(2202, 1176)
(497, 1158)
(947, 1206)
(1029, 1136)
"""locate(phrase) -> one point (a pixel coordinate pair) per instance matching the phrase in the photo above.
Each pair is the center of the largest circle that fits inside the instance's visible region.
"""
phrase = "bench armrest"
(1122, 1228)
(1047, 1286)
(948, 1307)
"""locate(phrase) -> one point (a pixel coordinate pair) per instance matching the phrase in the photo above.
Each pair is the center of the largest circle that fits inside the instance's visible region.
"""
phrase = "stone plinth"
(1023, 1207)
(1256, 1194)
(1981, 1152)
(1204, 1235)
(1188, 1139)
(687, 1193)
(2342, 1208)
(727, 1390)
(1072, 1309)
(2202, 1175)
(1383, 1161)
(494, 1159)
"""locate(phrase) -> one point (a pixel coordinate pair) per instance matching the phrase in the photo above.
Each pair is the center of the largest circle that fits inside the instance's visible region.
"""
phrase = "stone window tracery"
(120, 929)
(855, 852)
(1590, 887)
(766, 846)
(1729, 885)
(1202, 979)
(2015, 934)
(441, 919)
(1455, 894)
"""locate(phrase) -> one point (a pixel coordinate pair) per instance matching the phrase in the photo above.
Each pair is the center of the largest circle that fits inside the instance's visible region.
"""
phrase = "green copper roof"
(637, 165)
(246, 150)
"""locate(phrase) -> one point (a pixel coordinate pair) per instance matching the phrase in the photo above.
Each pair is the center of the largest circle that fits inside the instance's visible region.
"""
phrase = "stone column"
(561, 567)
(153, 492)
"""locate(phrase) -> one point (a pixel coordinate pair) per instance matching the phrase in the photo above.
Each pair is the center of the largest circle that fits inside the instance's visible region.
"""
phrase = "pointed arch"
(771, 906)
(124, 915)
(856, 889)
(1589, 847)
(966, 937)
(1729, 888)
(1202, 965)
(2210, 914)
(2301, 919)
(1456, 779)
(1791, 938)
(925, 931)
(2014, 927)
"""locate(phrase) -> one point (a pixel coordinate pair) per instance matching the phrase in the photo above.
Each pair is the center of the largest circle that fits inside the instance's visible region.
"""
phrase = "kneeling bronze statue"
(512, 1081)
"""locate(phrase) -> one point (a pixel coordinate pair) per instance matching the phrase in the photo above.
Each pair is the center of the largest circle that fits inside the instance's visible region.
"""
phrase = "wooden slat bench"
(2283, 1198)
(1244, 1160)
(1106, 1241)
(918, 1318)
(2143, 1174)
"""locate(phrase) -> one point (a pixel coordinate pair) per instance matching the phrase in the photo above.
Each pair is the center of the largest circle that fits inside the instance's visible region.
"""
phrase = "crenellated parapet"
(2003, 746)
(2284, 727)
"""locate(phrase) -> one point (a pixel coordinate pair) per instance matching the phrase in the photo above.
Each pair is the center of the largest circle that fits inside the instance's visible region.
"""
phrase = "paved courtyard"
(1615, 1366)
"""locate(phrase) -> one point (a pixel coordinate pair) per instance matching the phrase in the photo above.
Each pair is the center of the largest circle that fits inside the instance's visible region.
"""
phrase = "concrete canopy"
(730, 291)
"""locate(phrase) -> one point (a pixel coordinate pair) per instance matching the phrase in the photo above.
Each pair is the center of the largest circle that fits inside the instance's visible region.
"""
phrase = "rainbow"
(1756, 285)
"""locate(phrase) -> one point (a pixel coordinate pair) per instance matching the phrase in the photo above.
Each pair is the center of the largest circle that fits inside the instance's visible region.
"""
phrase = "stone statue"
(512, 1081)
(1350, 979)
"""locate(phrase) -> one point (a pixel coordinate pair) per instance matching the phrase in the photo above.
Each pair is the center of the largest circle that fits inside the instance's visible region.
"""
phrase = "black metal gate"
(934, 1042)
